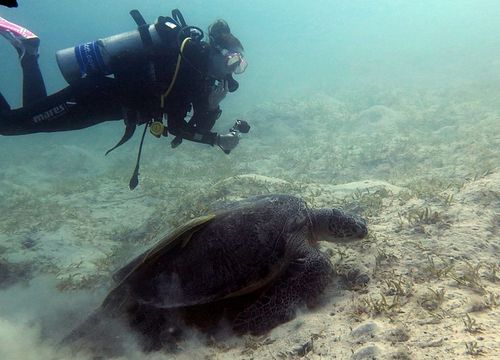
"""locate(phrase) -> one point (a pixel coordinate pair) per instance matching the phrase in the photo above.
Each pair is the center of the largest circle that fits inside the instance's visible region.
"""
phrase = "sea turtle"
(263, 250)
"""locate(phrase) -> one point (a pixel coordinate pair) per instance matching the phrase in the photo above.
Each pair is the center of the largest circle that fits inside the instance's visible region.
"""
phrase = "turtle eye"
(353, 227)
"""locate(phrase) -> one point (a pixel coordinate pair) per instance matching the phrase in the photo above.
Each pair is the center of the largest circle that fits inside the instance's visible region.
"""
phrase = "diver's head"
(226, 52)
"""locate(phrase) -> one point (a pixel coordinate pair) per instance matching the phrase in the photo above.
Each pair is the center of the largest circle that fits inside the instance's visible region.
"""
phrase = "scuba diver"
(155, 75)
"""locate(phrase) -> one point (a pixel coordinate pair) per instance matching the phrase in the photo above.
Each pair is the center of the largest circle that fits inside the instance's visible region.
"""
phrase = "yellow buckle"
(157, 128)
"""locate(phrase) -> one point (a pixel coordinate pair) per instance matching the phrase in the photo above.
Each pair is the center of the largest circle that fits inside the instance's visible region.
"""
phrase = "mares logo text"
(52, 113)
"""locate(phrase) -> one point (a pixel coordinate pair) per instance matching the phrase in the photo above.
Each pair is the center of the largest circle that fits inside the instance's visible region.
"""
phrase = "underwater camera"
(241, 126)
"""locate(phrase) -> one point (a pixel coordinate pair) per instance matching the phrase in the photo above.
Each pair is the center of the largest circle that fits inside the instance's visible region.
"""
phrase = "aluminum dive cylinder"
(97, 57)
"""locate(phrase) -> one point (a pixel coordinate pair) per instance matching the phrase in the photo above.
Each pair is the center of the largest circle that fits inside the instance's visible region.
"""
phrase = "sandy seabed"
(420, 166)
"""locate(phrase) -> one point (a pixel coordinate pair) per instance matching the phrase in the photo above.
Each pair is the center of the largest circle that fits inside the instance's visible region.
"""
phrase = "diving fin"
(130, 125)
(129, 131)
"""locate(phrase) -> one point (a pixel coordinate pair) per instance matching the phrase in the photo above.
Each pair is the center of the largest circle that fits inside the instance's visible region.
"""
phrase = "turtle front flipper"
(304, 279)
(179, 237)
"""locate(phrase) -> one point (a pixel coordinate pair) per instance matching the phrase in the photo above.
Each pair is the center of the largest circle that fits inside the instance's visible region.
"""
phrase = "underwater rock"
(397, 335)
(365, 332)
(369, 352)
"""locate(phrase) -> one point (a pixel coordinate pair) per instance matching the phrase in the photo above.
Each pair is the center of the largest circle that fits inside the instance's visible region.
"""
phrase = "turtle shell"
(230, 253)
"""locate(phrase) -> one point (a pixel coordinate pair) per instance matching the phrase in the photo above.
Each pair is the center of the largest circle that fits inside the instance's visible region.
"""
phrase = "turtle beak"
(353, 228)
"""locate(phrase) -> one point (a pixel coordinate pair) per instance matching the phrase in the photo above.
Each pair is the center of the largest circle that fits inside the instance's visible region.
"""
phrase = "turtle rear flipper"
(100, 334)
(302, 282)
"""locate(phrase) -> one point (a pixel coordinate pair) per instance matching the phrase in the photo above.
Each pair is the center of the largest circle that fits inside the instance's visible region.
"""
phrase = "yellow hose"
(177, 67)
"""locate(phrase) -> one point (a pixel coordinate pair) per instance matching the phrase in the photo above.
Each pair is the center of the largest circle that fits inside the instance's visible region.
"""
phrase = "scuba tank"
(103, 56)
(97, 57)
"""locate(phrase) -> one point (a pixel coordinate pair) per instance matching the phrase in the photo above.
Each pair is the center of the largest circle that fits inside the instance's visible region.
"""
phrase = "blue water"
(294, 46)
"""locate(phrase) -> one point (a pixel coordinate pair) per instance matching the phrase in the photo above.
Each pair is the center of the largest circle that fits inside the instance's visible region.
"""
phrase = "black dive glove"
(229, 141)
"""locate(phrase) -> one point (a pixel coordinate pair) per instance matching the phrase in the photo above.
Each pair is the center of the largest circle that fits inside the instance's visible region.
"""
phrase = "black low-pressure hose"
(134, 180)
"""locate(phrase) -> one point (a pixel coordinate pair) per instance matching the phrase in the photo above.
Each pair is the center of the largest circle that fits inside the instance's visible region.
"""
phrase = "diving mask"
(234, 61)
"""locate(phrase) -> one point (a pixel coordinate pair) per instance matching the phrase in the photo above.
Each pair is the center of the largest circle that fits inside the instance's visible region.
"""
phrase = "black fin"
(129, 131)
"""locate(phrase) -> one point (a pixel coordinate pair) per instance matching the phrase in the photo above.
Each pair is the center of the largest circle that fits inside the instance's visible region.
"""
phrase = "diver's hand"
(229, 141)
(217, 94)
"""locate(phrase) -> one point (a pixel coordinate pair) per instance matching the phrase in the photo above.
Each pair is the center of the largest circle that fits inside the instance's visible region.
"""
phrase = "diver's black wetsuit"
(132, 94)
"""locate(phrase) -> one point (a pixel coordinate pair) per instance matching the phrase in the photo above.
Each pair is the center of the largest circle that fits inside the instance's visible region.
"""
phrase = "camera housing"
(242, 126)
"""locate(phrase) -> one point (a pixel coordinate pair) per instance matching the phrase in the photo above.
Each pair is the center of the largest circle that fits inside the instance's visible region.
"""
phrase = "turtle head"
(336, 225)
